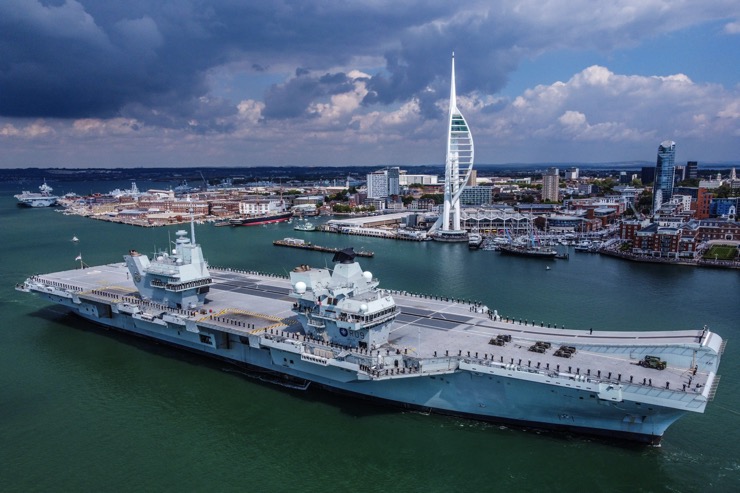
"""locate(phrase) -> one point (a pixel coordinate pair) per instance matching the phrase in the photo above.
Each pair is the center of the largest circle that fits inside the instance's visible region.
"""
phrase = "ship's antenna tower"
(192, 222)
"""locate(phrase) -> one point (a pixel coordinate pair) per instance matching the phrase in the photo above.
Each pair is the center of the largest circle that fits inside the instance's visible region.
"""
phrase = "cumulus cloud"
(101, 127)
(598, 105)
(31, 130)
(732, 27)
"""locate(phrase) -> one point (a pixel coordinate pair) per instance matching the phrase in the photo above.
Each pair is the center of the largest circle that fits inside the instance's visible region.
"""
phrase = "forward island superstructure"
(338, 329)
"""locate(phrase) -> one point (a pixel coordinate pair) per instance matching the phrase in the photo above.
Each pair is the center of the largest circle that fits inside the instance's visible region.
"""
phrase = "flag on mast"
(78, 257)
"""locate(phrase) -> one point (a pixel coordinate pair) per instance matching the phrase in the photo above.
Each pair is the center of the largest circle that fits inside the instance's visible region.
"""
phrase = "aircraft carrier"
(338, 329)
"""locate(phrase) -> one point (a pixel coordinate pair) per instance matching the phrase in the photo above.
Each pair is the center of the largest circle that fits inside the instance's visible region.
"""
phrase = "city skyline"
(135, 84)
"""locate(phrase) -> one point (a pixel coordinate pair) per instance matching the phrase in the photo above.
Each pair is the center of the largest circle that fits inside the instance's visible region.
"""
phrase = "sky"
(187, 83)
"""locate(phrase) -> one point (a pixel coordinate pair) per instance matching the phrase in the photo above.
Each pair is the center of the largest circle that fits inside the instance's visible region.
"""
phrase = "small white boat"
(75, 239)
(307, 226)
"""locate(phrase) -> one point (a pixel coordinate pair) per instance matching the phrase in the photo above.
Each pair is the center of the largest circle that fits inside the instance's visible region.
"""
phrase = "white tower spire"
(459, 155)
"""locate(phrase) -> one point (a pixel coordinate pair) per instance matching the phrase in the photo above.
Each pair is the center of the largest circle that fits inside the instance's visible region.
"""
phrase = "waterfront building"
(605, 215)
(564, 224)
(674, 240)
(551, 185)
(476, 195)
(377, 184)
(308, 199)
(665, 169)
(664, 242)
(716, 229)
(305, 209)
(176, 206)
(460, 154)
(628, 228)
(260, 207)
(221, 207)
(495, 220)
(384, 183)
(407, 179)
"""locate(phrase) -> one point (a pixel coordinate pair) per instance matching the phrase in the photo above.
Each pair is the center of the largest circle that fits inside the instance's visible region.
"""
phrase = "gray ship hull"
(482, 396)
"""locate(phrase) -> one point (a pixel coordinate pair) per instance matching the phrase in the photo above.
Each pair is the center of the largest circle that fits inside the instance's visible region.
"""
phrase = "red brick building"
(703, 201)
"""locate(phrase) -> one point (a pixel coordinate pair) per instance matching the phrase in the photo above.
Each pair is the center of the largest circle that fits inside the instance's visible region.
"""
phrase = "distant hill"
(212, 174)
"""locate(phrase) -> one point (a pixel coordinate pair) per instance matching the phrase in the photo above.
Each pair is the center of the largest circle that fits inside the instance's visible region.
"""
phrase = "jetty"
(307, 245)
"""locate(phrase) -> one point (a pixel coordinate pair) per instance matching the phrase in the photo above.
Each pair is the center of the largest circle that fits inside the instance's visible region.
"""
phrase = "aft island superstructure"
(338, 329)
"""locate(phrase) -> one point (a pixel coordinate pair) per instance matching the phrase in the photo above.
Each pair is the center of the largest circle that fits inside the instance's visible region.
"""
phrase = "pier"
(306, 245)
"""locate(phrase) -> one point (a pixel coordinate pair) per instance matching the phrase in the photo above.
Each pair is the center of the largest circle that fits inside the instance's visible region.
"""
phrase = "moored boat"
(306, 226)
(475, 240)
(258, 220)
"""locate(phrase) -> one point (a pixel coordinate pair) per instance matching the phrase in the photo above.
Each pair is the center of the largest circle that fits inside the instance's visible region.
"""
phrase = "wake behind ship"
(336, 328)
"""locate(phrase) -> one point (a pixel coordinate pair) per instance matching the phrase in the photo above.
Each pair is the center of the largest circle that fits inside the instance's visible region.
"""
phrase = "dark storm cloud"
(292, 99)
(58, 61)
(420, 67)
(72, 59)
(149, 60)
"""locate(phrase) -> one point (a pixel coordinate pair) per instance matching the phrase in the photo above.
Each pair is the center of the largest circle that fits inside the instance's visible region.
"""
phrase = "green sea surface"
(86, 409)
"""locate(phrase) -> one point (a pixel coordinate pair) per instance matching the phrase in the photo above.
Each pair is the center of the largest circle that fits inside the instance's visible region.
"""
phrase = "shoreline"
(714, 264)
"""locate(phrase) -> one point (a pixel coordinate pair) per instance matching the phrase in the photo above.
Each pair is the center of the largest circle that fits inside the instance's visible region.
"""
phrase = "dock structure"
(307, 245)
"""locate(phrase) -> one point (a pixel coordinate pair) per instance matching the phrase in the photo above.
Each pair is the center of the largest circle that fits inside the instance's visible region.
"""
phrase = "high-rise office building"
(551, 185)
(647, 175)
(571, 174)
(394, 187)
(680, 174)
(692, 170)
(384, 183)
(665, 168)
(377, 184)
